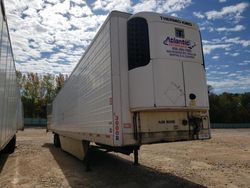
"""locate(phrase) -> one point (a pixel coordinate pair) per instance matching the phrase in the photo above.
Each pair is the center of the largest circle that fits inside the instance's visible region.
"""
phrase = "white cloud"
(224, 43)
(216, 57)
(202, 28)
(62, 7)
(206, 41)
(233, 29)
(231, 82)
(166, 6)
(245, 62)
(110, 5)
(210, 29)
(222, 1)
(198, 14)
(44, 64)
(232, 12)
(50, 37)
(148, 5)
(30, 12)
(235, 54)
(79, 11)
(208, 48)
(53, 1)
(79, 2)
(237, 40)
(174, 14)
(229, 13)
(223, 72)
(232, 75)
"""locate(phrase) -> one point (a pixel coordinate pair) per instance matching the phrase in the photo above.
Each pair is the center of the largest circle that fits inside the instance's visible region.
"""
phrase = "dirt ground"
(223, 161)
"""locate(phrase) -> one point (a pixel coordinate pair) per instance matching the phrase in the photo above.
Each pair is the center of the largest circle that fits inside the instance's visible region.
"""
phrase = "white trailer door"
(168, 83)
(195, 83)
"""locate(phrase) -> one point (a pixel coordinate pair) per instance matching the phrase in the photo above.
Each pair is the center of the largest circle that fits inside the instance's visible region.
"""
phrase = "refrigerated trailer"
(11, 114)
(141, 81)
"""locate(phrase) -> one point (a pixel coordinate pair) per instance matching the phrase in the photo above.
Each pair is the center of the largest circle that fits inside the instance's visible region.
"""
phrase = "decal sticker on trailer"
(179, 47)
(117, 128)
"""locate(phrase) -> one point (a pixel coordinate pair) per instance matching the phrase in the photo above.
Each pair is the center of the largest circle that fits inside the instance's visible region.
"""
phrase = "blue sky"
(50, 36)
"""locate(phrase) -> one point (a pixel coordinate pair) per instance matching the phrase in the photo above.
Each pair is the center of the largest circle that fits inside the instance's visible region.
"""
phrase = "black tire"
(10, 147)
(57, 142)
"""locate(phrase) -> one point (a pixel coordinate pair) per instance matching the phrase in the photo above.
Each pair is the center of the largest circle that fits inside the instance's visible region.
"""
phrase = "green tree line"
(229, 107)
(37, 91)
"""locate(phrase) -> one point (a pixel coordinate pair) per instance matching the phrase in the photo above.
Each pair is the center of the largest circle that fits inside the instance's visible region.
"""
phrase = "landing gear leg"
(86, 148)
(136, 163)
(86, 160)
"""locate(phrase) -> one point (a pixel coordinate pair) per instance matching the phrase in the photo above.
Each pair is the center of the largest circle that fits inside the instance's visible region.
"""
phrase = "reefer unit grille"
(138, 43)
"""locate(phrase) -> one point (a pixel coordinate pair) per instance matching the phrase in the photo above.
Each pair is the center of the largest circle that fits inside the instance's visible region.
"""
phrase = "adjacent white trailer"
(11, 115)
(141, 81)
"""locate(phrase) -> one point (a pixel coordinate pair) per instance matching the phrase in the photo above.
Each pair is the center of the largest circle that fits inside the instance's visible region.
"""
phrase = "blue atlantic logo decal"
(180, 43)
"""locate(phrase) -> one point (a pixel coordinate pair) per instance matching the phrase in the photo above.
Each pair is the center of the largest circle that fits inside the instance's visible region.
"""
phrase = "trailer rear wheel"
(10, 147)
(57, 142)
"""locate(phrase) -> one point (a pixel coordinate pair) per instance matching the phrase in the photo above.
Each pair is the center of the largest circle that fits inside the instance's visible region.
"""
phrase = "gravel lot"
(223, 161)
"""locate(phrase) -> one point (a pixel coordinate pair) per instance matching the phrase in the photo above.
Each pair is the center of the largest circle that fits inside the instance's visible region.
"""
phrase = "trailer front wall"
(84, 105)
(175, 68)
(167, 84)
(9, 93)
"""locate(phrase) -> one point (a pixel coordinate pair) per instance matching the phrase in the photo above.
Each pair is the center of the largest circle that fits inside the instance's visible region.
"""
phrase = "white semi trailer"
(11, 114)
(141, 81)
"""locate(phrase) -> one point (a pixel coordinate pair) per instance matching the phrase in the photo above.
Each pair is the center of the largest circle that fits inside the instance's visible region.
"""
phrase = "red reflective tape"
(127, 125)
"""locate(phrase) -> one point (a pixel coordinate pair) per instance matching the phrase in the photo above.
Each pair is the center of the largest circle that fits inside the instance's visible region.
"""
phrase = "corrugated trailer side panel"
(9, 91)
(3, 70)
(88, 111)
(2, 85)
